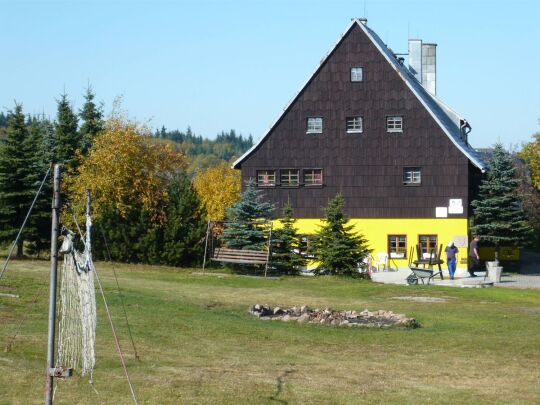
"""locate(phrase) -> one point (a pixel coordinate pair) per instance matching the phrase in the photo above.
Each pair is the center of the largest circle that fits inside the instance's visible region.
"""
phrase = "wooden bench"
(240, 256)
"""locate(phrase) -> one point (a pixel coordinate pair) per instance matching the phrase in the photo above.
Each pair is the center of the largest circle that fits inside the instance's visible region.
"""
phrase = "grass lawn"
(199, 345)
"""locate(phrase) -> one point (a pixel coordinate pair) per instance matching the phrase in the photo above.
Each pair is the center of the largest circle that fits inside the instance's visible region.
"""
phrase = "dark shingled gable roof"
(446, 118)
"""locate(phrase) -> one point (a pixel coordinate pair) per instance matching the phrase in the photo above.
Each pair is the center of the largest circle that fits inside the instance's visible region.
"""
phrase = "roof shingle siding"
(366, 168)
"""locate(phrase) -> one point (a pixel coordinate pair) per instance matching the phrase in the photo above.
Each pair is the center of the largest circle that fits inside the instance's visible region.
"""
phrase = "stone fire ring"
(328, 316)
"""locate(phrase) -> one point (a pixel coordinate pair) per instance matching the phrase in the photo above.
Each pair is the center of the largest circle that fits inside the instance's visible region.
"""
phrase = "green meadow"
(198, 344)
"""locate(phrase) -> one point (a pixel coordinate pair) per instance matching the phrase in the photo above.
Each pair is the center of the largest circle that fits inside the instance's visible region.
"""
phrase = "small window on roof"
(314, 125)
(356, 74)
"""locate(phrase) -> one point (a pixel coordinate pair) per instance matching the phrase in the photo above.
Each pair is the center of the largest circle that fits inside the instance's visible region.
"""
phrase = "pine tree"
(17, 178)
(92, 117)
(286, 257)
(185, 227)
(68, 139)
(337, 248)
(247, 220)
(497, 212)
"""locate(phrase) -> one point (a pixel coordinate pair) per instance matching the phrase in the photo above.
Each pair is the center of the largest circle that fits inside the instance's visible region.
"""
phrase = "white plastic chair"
(381, 259)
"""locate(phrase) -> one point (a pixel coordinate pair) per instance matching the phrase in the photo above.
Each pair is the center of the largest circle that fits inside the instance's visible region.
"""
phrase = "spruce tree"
(41, 140)
(68, 139)
(247, 220)
(185, 227)
(17, 178)
(337, 248)
(92, 118)
(498, 215)
(3, 119)
(286, 257)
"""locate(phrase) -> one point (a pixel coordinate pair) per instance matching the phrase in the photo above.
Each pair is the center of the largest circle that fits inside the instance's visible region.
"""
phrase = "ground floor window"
(397, 246)
(428, 243)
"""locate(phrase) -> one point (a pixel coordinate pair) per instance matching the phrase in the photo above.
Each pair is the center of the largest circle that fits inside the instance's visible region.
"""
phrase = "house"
(369, 127)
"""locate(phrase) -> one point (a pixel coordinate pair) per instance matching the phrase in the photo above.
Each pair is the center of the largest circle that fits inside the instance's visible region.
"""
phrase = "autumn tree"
(528, 173)
(531, 156)
(218, 187)
(125, 168)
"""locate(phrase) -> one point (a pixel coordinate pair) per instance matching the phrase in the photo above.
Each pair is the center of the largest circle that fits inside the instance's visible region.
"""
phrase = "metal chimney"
(429, 67)
(415, 58)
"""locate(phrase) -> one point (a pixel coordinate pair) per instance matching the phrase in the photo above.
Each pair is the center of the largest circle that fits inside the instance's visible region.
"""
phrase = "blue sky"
(217, 65)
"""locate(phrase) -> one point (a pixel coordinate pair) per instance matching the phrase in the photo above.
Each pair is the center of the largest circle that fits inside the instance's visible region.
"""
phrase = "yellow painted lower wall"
(376, 231)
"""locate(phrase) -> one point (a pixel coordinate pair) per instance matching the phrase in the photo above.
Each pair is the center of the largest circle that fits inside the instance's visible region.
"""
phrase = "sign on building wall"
(441, 212)
(455, 206)
(461, 241)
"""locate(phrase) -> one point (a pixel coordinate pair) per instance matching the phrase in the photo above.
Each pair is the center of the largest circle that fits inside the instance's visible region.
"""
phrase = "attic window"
(314, 125)
(356, 74)
(394, 123)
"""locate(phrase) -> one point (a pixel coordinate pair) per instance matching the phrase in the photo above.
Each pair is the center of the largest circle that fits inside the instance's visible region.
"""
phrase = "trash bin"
(494, 271)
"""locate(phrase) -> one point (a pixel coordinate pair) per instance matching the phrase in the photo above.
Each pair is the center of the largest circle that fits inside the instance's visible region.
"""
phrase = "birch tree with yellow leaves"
(218, 187)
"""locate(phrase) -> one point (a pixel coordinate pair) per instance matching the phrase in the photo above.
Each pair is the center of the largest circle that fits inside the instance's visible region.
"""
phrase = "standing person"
(474, 256)
(451, 258)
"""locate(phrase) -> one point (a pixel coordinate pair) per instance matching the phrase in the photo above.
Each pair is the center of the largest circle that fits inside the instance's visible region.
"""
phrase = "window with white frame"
(313, 177)
(266, 178)
(354, 125)
(314, 125)
(412, 175)
(356, 74)
(394, 123)
(289, 177)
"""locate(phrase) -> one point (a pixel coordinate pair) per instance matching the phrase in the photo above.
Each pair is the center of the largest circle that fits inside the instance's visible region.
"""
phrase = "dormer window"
(394, 123)
(314, 125)
(356, 74)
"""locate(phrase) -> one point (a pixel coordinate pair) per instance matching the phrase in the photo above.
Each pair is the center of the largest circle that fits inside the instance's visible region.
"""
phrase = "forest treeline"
(152, 191)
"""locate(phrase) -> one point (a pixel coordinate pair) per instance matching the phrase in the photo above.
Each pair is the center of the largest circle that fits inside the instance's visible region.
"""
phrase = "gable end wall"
(365, 168)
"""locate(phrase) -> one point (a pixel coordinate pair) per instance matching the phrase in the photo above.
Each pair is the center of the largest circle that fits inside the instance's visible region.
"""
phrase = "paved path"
(529, 276)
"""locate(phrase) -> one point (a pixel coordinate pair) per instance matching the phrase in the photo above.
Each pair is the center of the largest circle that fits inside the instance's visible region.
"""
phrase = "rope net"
(77, 326)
